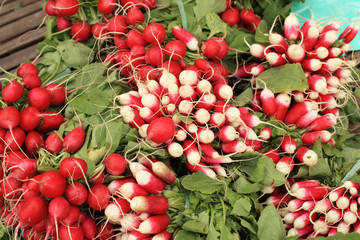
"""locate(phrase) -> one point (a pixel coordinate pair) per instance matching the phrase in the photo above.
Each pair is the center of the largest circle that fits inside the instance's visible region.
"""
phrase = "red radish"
(30, 81)
(268, 102)
(74, 140)
(52, 184)
(351, 35)
(217, 119)
(81, 31)
(186, 37)
(346, 31)
(106, 6)
(63, 23)
(129, 99)
(343, 202)
(209, 151)
(258, 50)
(115, 164)
(50, 8)
(99, 30)
(14, 139)
(73, 231)
(154, 56)
(33, 142)
(310, 138)
(235, 146)
(224, 48)
(311, 193)
(147, 73)
(295, 205)
(299, 109)
(67, 8)
(135, 37)
(247, 133)
(57, 94)
(33, 211)
(39, 98)
(210, 48)
(76, 193)
(282, 102)
(291, 27)
(172, 66)
(121, 43)
(27, 69)
(59, 208)
(273, 154)
(318, 53)
(275, 59)
(98, 197)
(161, 130)
(13, 158)
(285, 165)
(10, 187)
(147, 114)
(175, 49)
(307, 156)
(154, 33)
(12, 92)
(104, 230)
(288, 144)
(164, 235)
(53, 143)
(311, 36)
(334, 52)
(203, 168)
(311, 64)
(295, 53)
(250, 120)
(189, 77)
(89, 227)
(134, 16)
(73, 168)
(131, 189)
(72, 217)
(150, 204)
(25, 169)
(322, 123)
(50, 120)
(220, 160)
(326, 102)
(116, 209)
(278, 42)
(231, 16)
(330, 65)
(247, 16)
(117, 25)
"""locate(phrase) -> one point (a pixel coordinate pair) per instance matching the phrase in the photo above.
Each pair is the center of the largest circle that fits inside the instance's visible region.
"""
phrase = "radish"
(311, 193)
(99, 30)
(351, 35)
(134, 16)
(73, 231)
(164, 235)
(67, 8)
(39, 98)
(76, 193)
(72, 217)
(149, 182)
(278, 42)
(12, 92)
(202, 116)
(25, 169)
(300, 232)
(89, 227)
(322, 123)
(74, 140)
(319, 53)
(116, 209)
(175, 49)
(223, 92)
(50, 8)
(291, 27)
(275, 59)
(186, 37)
(10, 188)
(104, 230)
(203, 168)
(131, 189)
(294, 205)
(327, 39)
(288, 144)
(115, 164)
(50, 120)
(57, 94)
(334, 215)
(154, 33)
(318, 83)
(304, 184)
(285, 165)
(310, 138)
(117, 25)
(311, 64)
(311, 36)
(98, 197)
(298, 110)
(231, 16)
(247, 16)
(14, 139)
(161, 130)
(106, 6)
(295, 53)
(53, 143)
(343, 202)
(191, 152)
(33, 142)
(135, 37)
(73, 168)
(154, 224)
(235, 146)
(59, 208)
(81, 31)
(268, 102)
(27, 69)
(175, 149)
(52, 184)
(210, 48)
(117, 183)
(278, 200)
(149, 204)
(162, 171)
(63, 23)
(31, 81)
(273, 154)
(33, 211)
(282, 102)
(227, 133)
(155, 55)
(307, 156)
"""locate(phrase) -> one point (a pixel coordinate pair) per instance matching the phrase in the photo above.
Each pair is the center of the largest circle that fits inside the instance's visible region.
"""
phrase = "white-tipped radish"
(318, 83)
(311, 64)
(175, 149)
(318, 53)
(295, 53)
(291, 27)
(235, 146)
(188, 77)
(282, 102)
(268, 102)
(307, 156)
(191, 152)
(227, 133)
(186, 37)
(285, 165)
(279, 43)
(311, 36)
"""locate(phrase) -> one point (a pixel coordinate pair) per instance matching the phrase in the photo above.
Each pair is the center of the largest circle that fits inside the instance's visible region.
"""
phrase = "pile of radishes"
(310, 209)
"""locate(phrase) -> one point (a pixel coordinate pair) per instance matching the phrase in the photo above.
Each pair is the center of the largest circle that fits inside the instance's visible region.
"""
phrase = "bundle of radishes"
(310, 209)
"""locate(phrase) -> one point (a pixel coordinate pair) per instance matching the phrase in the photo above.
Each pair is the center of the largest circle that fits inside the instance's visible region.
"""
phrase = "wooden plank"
(8, 6)
(17, 43)
(15, 15)
(15, 59)
(21, 26)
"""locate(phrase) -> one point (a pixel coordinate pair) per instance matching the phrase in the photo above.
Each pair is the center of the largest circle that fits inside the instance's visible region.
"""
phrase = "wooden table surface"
(21, 27)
